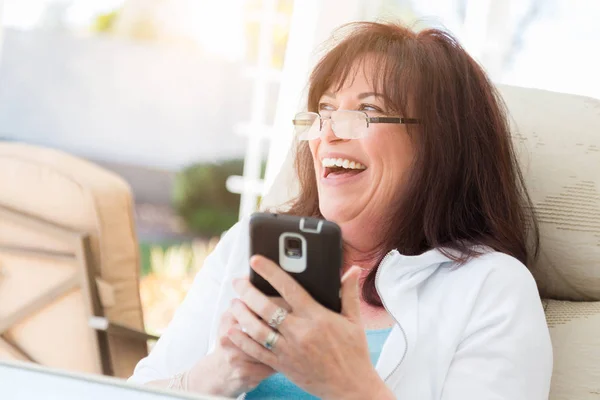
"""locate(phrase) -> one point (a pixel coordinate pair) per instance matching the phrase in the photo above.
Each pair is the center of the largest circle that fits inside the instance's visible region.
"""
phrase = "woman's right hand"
(227, 371)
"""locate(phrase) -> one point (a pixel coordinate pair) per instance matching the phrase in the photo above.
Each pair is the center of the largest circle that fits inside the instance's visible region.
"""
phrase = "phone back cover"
(321, 278)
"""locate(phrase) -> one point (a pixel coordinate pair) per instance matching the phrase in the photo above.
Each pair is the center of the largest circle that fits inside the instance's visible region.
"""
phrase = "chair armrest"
(103, 324)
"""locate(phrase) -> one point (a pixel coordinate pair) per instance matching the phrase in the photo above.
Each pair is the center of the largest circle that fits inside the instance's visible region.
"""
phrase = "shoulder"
(494, 297)
(498, 330)
(492, 283)
(494, 270)
(236, 236)
(497, 287)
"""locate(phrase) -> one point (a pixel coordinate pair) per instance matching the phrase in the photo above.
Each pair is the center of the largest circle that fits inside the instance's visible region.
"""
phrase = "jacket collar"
(397, 281)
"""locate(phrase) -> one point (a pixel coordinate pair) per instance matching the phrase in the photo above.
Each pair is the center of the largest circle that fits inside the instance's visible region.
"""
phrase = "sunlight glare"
(218, 26)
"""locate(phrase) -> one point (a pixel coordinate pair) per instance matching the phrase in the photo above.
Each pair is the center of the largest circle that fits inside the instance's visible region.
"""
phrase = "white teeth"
(342, 162)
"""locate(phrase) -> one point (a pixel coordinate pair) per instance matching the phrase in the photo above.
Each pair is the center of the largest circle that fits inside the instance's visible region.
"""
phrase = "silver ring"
(271, 340)
(277, 318)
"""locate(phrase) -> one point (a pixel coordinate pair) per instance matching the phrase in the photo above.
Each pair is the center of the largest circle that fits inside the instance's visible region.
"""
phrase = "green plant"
(202, 200)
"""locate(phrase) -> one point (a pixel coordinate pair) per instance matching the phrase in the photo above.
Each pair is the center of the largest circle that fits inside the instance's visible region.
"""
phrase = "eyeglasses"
(346, 124)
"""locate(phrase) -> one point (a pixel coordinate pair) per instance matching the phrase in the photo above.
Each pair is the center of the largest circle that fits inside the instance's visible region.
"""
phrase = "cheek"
(392, 153)
(314, 146)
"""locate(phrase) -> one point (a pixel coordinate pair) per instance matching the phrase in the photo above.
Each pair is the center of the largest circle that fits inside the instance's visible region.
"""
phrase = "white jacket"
(472, 332)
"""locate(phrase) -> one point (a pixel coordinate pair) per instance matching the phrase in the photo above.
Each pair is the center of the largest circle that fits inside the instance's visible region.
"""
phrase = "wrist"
(179, 381)
(202, 379)
(382, 392)
(377, 390)
(374, 388)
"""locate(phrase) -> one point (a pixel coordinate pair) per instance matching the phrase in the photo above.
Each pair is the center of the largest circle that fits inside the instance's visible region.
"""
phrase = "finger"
(226, 322)
(291, 291)
(254, 350)
(351, 293)
(254, 327)
(262, 305)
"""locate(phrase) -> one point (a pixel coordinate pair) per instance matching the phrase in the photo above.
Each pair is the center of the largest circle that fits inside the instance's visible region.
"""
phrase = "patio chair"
(69, 265)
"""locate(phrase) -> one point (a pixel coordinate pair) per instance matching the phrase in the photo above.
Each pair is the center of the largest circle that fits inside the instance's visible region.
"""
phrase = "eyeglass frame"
(370, 120)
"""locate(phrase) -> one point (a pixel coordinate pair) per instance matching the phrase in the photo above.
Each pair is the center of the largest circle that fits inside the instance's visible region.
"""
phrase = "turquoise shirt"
(279, 387)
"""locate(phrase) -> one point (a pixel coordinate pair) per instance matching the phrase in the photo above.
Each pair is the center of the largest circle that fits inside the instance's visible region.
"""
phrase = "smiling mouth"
(339, 167)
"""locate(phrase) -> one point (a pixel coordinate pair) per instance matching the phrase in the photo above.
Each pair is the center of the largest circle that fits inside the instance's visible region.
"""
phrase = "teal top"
(277, 386)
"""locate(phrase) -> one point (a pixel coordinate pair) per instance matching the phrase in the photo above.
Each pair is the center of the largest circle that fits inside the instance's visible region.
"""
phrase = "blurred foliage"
(146, 250)
(105, 23)
(138, 26)
(144, 23)
(144, 29)
(172, 271)
(202, 200)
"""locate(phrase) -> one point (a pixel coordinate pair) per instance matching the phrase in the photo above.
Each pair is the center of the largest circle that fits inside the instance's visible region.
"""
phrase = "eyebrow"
(360, 96)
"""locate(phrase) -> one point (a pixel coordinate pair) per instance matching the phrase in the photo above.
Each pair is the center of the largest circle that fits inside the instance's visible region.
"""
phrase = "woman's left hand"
(323, 352)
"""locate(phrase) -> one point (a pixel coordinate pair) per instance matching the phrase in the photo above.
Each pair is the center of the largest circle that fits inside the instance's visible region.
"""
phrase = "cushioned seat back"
(575, 331)
(79, 197)
(558, 139)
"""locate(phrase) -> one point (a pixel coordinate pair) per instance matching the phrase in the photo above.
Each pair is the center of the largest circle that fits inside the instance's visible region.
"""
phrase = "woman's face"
(358, 198)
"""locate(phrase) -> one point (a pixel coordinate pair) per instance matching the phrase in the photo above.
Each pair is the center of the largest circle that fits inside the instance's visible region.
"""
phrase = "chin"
(337, 212)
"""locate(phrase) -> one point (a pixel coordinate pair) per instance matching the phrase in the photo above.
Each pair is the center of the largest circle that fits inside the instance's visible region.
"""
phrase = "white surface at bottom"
(20, 381)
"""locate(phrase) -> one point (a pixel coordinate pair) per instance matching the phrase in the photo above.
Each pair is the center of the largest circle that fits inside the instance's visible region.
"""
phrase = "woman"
(406, 146)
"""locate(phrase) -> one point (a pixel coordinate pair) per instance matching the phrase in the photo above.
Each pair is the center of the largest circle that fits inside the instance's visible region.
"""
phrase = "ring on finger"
(278, 317)
(271, 340)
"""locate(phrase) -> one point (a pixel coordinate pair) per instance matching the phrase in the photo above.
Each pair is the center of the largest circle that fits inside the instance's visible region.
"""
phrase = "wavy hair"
(465, 187)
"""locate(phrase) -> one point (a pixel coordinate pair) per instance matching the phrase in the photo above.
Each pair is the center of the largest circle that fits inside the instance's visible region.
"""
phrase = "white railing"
(256, 130)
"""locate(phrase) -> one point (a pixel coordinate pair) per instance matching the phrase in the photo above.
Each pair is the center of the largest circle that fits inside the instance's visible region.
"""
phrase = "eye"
(371, 108)
(326, 107)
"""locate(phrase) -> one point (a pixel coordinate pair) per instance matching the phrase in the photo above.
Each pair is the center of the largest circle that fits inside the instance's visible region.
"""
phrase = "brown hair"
(465, 186)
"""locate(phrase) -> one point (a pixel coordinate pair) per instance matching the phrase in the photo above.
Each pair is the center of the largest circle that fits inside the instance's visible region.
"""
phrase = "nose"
(327, 133)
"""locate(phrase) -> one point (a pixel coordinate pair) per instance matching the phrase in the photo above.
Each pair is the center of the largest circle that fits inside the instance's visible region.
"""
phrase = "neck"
(360, 248)
(353, 256)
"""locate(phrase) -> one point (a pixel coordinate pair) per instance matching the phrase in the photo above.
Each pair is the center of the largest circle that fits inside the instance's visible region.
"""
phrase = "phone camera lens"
(293, 247)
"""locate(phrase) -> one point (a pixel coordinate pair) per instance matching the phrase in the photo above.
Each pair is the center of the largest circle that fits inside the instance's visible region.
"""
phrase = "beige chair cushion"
(558, 139)
(575, 331)
(79, 195)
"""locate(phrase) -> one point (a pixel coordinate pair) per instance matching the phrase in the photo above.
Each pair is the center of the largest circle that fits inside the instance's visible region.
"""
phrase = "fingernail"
(255, 261)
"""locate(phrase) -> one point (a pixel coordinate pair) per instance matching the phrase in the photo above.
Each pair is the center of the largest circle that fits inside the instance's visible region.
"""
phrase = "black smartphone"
(309, 249)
